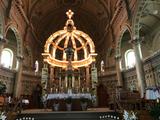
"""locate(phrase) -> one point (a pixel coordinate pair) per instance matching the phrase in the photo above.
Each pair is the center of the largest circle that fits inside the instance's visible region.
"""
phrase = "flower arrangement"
(3, 116)
(68, 103)
(84, 102)
(155, 111)
(56, 105)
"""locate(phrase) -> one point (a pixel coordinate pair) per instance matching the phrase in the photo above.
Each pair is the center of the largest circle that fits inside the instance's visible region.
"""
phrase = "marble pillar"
(119, 73)
(18, 80)
(139, 66)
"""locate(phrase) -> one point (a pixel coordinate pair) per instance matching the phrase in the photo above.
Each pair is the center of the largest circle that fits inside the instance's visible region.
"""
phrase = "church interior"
(80, 59)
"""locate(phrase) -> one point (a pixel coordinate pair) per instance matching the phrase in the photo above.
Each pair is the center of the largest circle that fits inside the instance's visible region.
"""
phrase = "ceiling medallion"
(63, 43)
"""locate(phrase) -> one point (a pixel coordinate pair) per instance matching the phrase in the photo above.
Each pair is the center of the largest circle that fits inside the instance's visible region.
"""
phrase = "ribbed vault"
(47, 16)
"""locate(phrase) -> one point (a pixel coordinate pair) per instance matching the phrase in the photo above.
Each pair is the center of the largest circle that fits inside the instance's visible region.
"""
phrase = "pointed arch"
(125, 28)
(123, 40)
(136, 18)
(18, 39)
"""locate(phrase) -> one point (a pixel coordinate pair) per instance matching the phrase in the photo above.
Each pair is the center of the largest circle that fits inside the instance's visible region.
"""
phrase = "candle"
(51, 90)
(157, 100)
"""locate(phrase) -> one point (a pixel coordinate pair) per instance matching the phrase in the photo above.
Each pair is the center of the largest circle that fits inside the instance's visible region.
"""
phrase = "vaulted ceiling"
(48, 16)
(150, 19)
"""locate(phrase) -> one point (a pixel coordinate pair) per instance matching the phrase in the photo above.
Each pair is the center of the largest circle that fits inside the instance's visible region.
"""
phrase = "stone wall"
(129, 77)
(7, 77)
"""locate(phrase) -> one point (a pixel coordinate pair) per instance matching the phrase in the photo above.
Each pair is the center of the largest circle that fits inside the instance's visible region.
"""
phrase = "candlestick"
(73, 81)
(56, 90)
(87, 89)
(82, 89)
(51, 90)
(79, 80)
(60, 81)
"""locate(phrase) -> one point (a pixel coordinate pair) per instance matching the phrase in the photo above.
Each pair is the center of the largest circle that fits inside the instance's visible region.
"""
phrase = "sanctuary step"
(69, 115)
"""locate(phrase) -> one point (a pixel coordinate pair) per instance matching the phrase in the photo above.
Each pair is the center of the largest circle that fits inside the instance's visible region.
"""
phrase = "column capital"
(118, 57)
(136, 40)
(20, 57)
(3, 40)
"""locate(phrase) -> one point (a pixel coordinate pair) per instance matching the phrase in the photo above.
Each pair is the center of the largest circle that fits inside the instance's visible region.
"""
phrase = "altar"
(66, 95)
(60, 98)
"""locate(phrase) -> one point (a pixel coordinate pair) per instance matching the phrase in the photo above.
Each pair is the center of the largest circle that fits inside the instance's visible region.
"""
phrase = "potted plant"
(2, 91)
(84, 102)
(68, 102)
(56, 105)
(2, 88)
(155, 111)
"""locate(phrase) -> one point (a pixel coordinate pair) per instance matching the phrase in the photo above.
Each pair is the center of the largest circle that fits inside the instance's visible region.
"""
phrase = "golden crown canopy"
(82, 45)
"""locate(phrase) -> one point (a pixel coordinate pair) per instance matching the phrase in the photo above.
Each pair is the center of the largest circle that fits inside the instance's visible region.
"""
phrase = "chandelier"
(69, 39)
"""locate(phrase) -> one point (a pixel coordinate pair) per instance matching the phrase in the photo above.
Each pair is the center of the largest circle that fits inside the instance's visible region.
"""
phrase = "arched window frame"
(127, 59)
(9, 65)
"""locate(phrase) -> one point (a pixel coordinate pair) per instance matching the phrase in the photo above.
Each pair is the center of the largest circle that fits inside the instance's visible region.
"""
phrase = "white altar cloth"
(152, 94)
(64, 96)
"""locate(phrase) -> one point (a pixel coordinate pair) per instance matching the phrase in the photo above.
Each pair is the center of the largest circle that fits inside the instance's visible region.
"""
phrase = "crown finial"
(69, 14)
